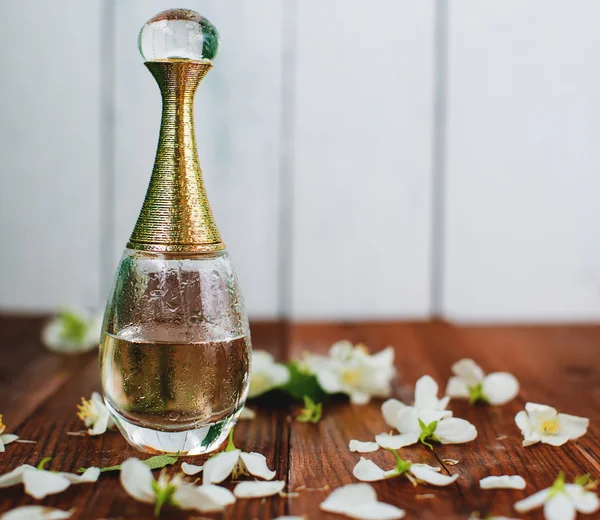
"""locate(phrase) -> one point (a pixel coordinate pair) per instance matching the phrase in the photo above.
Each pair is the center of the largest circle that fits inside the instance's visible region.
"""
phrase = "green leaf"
(476, 394)
(311, 412)
(302, 383)
(156, 462)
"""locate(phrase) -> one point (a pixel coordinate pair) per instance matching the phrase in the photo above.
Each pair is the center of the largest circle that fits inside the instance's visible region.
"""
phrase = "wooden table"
(559, 366)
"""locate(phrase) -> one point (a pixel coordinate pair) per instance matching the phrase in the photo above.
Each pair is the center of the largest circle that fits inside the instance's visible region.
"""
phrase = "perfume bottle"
(175, 351)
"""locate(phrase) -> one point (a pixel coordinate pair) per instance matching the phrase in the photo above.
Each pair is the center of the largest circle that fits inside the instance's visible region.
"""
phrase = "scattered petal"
(36, 513)
(500, 387)
(190, 469)
(220, 466)
(503, 482)
(367, 471)
(450, 462)
(256, 464)
(137, 480)
(363, 447)
(390, 409)
(532, 502)
(425, 474)
(360, 501)
(257, 489)
(395, 442)
(455, 431)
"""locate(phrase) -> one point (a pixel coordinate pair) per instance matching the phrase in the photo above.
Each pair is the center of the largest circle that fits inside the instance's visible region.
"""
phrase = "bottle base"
(189, 442)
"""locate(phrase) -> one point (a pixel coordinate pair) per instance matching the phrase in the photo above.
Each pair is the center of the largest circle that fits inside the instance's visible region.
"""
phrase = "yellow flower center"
(2, 426)
(86, 411)
(550, 427)
(351, 376)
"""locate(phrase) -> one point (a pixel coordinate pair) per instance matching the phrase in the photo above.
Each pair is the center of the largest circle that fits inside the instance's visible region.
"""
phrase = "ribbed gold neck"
(176, 215)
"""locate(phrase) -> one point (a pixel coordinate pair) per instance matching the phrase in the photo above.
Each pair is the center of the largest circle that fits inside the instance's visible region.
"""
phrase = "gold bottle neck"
(176, 216)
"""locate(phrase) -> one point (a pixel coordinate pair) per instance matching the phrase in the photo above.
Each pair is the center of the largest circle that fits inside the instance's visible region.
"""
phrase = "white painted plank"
(49, 129)
(363, 137)
(238, 112)
(523, 163)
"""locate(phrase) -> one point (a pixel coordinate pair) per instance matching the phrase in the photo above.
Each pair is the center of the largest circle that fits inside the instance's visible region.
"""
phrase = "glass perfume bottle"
(175, 350)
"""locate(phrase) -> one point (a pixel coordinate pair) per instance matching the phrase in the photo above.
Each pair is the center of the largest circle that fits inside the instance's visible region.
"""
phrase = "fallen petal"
(7, 438)
(36, 513)
(584, 501)
(455, 431)
(219, 467)
(40, 484)
(204, 499)
(136, 478)
(457, 388)
(367, 471)
(500, 387)
(532, 501)
(14, 477)
(363, 447)
(432, 477)
(257, 489)
(570, 425)
(426, 391)
(468, 370)
(190, 469)
(395, 442)
(502, 482)
(559, 507)
(360, 501)
(390, 410)
(256, 464)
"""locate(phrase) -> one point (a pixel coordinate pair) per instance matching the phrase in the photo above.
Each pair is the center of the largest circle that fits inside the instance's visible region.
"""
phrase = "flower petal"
(329, 380)
(584, 501)
(432, 477)
(345, 499)
(204, 499)
(360, 398)
(390, 410)
(395, 442)
(36, 513)
(91, 474)
(190, 469)
(555, 440)
(136, 479)
(503, 482)
(256, 464)
(426, 391)
(2, 449)
(257, 489)
(14, 477)
(377, 511)
(457, 388)
(408, 418)
(7, 438)
(500, 387)
(367, 471)
(455, 431)
(572, 425)
(468, 370)
(539, 412)
(522, 420)
(219, 467)
(363, 447)
(39, 483)
(247, 414)
(532, 501)
(559, 507)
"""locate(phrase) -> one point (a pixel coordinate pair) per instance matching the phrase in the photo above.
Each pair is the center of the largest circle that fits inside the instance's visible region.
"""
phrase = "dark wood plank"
(267, 434)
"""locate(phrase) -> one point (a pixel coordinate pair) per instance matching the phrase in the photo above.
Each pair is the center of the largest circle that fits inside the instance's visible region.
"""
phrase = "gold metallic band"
(176, 215)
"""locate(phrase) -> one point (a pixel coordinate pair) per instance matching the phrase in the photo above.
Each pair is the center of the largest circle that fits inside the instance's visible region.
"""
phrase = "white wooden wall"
(355, 170)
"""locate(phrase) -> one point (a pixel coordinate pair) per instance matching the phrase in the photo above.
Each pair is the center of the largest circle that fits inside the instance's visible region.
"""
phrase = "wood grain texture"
(556, 365)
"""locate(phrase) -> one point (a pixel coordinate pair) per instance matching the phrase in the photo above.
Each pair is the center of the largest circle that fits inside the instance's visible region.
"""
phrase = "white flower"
(503, 482)
(417, 424)
(367, 471)
(36, 513)
(5, 438)
(470, 382)
(353, 371)
(72, 332)
(360, 501)
(95, 414)
(541, 423)
(138, 482)
(363, 447)
(233, 462)
(563, 501)
(426, 390)
(266, 374)
(257, 489)
(40, 483)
